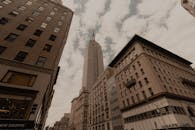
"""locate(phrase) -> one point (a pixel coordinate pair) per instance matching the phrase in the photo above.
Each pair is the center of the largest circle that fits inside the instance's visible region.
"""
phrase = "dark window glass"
(3, 20)
(144, 94)
(47, 47)
(15, 108)
(2, 49)
(21, 56)
(41, 61)
(52, 38)
(19, 78)
(22, 27)
(146, 80)
(11, 37)
(30, 43)
(151, 92)
(38, 32)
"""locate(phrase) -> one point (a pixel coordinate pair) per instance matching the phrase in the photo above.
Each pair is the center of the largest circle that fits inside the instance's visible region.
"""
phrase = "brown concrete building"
(99, 106)
(79, 110)
(32, 37)
(63, 124)
(155, 87)
(189, 5)
(93, 67)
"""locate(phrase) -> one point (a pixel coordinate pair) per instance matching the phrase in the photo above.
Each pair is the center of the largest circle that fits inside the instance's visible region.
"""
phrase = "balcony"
(130, 83)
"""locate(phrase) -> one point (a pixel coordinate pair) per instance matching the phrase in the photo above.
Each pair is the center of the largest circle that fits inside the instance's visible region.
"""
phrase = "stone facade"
(33, 35)
(155, 87)
(189, 5)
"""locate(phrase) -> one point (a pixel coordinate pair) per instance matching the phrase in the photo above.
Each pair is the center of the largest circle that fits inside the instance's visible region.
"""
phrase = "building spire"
(93, 36)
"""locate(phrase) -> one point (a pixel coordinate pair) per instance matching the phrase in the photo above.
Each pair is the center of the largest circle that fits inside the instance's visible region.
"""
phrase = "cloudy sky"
(164, 22)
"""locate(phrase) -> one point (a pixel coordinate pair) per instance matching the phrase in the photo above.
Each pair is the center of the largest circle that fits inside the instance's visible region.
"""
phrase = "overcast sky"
(163, 22)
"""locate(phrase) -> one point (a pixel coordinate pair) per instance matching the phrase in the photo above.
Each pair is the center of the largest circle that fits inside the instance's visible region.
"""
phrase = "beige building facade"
(99, 106)
(79, 110)
(32, 34)
(189, 5)
(155, 86)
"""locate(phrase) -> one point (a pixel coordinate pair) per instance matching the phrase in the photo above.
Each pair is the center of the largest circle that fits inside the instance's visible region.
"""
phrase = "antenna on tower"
(93, 36)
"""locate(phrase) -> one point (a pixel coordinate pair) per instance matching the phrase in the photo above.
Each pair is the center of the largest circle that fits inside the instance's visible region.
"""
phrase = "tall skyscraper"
(93, 67)
(33, 34)
(93, 64)
(189, 5)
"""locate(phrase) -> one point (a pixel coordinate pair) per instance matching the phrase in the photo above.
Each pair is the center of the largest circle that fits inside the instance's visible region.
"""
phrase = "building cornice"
(157, 96)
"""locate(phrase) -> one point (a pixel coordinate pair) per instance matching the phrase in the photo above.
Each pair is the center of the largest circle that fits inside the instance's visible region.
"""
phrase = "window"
(151, 92)
(45, 4)
(146, 80)
(134, 67)
(21, 56)
(14, 108)
(41, 8)
(47, 47)
(136, 74)
(6, 2)
(13, 13)
(56, 30)
(38, 32)
(144, 94)
(132, 98)
(185, 1)
(52, 13)
(55, 9)
(140, 83)
(191, 111)
(11, 37)
(43, 25)
(52, 37)
(22, 27)
(142, 71)
(30, 43)
(2, 49)
(138, 98)
(35, 13)
(29, 3)
(29, 19)
(3, 20)
(18, 78)
(22, 8)
(48, 19)
(139, 64)
(65, 13)
(41, 61)
(124, 105)
(59, 23)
